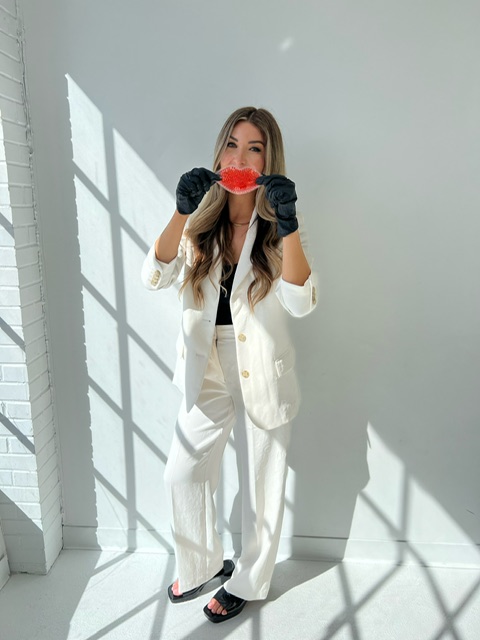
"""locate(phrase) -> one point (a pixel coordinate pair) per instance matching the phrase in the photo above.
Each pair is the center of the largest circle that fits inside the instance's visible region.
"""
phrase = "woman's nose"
(240, 159)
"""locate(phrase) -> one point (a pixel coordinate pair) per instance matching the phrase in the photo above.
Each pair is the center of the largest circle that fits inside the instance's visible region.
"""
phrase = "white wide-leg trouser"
(192, 473)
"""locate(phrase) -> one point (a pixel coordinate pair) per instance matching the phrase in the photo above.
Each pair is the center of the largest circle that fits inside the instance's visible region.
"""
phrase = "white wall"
(379, 105)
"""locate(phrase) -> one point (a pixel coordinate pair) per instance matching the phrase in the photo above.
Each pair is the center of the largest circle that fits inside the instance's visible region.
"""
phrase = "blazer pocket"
(285, 362)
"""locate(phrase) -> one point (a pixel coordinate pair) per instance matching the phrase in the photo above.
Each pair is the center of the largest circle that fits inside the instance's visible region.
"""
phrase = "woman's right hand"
(191, 188)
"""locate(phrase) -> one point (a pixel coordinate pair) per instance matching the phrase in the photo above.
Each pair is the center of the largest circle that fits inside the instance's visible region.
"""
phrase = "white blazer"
(265, 353)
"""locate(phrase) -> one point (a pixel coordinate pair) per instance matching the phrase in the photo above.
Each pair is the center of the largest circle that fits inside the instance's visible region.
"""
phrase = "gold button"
(242, 337)
(245, 374)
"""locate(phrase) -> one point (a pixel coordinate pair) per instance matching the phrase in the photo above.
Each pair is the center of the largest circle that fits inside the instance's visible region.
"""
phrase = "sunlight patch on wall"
(103, 355)
(394, 506)
(88, 139)
(143, 202)
(150, 499)
(95, 238)
(153, 316)
(429, 522)
(384, 489)
(109, 447)
(154, 400)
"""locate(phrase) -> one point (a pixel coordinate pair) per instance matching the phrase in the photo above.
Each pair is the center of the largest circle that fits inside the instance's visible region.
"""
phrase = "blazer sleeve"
(160, 275)
(299, 300)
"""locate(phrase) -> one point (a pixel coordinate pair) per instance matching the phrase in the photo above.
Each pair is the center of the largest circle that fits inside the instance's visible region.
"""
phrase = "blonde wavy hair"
(209, 226)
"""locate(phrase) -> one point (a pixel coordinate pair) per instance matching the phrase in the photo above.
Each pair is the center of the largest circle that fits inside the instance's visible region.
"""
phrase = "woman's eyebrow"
(250, 141)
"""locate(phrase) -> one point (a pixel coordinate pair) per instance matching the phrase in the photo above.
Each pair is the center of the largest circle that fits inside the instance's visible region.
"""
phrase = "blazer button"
(242, 337)
(245, 374)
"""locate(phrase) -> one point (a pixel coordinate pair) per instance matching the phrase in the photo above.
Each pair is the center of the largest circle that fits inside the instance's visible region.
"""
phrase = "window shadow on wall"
(128, 337)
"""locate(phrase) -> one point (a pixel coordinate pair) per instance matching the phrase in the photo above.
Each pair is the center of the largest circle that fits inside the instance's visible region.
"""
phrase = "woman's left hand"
(280, 192)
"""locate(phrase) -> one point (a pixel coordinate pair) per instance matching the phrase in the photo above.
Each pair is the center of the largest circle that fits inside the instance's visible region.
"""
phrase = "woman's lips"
(239, 180)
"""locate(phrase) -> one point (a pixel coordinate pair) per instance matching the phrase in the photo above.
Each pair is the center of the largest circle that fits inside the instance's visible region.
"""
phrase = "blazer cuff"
(299, 300)
(156, 274)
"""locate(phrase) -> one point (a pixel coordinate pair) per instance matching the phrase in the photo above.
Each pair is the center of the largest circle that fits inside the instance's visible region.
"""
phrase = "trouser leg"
(262, 461)
(191, 478)
(263, 471)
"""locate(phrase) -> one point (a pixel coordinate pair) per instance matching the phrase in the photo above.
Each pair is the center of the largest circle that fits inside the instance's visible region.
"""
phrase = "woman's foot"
(216, 607)
(223, 606)
(176, 595)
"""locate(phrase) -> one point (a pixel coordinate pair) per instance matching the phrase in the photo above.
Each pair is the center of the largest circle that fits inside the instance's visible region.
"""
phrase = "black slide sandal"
(226, 572)
(231, 603)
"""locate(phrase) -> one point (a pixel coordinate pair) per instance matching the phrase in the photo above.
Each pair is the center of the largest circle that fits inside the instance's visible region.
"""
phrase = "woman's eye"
(256, 149)
(232, 145)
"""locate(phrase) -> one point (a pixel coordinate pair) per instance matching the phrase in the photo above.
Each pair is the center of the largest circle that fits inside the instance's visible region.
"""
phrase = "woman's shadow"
(327, 466)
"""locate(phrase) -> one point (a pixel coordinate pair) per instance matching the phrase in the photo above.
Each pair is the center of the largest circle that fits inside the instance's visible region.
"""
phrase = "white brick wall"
(30, 496)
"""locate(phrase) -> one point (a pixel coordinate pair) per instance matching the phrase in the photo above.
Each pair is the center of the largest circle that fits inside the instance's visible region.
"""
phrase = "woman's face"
(245, 148)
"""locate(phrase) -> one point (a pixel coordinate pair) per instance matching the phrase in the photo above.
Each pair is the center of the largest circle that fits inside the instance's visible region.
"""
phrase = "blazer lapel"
(244, 264)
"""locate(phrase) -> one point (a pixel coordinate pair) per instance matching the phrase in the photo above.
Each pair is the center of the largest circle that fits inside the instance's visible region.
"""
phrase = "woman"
(244, 269)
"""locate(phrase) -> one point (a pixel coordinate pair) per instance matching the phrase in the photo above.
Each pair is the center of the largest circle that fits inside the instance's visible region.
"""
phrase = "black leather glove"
(280, 192)
(191, 188)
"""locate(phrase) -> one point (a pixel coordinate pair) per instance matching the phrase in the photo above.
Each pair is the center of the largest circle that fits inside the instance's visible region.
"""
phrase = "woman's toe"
(215, 607)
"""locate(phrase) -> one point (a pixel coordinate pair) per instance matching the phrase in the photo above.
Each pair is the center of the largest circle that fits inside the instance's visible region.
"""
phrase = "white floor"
(92, 595)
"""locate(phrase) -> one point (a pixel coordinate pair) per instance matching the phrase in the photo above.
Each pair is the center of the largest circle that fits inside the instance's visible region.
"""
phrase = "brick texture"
(30, 492)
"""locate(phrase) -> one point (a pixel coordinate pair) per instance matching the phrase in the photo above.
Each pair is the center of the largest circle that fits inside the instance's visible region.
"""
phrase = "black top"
(224, 315)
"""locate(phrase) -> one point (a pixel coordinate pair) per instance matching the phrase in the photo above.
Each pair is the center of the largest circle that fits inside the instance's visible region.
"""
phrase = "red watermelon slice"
(239, 180)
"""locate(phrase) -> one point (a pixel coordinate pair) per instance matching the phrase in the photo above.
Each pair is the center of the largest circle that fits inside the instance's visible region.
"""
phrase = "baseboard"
(117, 539)
(296, 547)
(401, 552)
